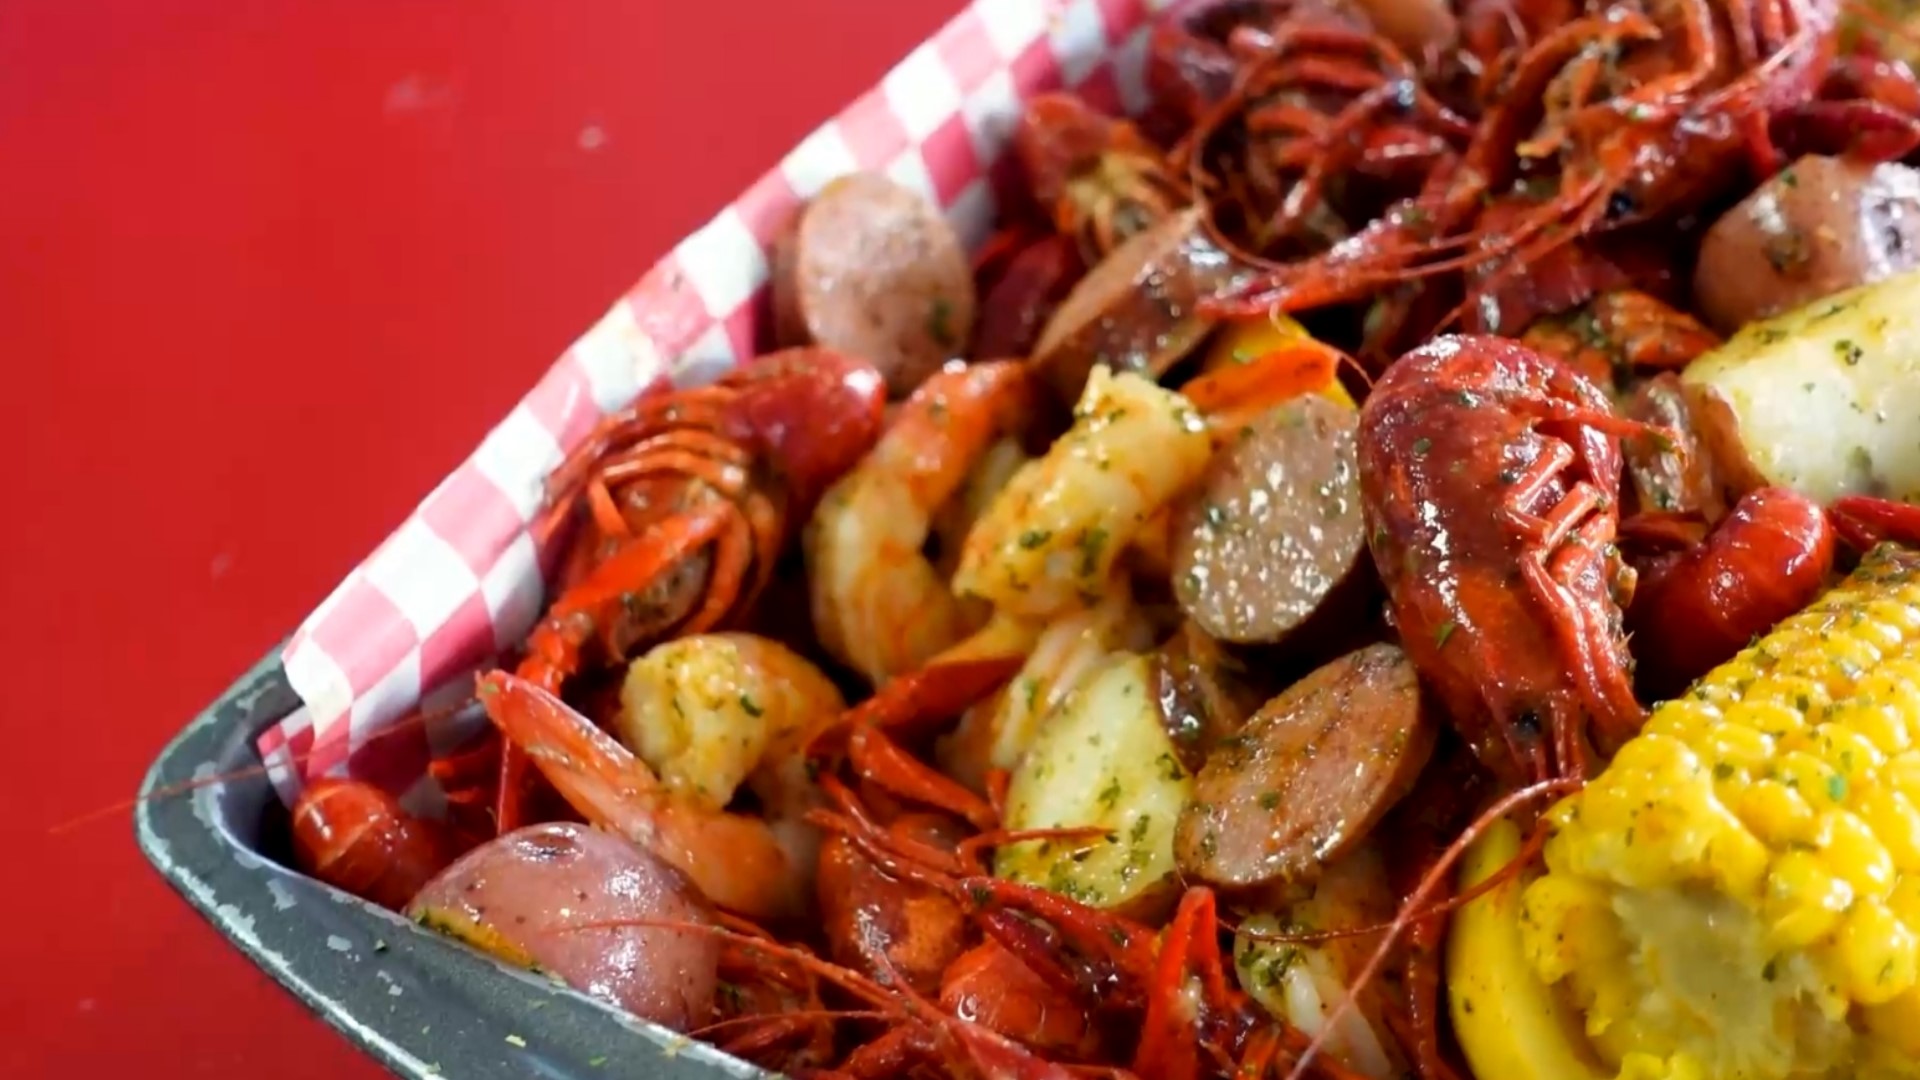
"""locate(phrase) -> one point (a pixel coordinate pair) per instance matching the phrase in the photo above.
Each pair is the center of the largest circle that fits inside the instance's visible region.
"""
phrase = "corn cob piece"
(1737, 896)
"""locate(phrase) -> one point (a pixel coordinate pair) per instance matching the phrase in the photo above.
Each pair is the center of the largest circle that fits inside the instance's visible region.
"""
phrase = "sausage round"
(1309, 776)
(1134, 311)
(1821, 225)
(871, 268)
(1275, 527)
(1203, 692)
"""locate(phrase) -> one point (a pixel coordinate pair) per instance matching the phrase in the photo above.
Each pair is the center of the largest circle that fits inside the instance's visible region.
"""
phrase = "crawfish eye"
(1528, 724)
(1620, 204)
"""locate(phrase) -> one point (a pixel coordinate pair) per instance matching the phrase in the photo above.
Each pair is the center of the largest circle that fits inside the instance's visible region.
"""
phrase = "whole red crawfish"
(690, 495)
(356, 837)
(1097, 180)
(683, 501)
(1489, 475)
(1323, 122)
(1053, 978)
(1621, 114)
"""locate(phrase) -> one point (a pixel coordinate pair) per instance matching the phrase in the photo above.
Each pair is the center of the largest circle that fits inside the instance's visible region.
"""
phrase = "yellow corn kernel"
(1878, 954)
(1851, 853)
(1893, 819)
(1771, 716)
(1902, 773)
(1837, 662)
(1683, 717)
(1776, 813)
(1904, 901)
(1895, 616)
(1564, 923)
(1804, 901)
(1872, 716)
(1817, 782)
(1849, 751)
(1898, 1022)
(1739, 746)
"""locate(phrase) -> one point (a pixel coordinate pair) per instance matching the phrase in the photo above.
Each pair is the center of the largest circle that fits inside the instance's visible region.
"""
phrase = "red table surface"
(268, 270)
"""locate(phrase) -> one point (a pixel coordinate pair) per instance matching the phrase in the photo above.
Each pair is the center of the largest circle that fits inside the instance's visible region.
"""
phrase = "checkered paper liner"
(460, 582)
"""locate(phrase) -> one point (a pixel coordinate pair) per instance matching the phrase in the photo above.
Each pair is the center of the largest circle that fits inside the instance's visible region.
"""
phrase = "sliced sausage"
(871, 268)
(1309, 776)
(1823, 224)
(1134, 310)
(1275, 529)
(1205, 694)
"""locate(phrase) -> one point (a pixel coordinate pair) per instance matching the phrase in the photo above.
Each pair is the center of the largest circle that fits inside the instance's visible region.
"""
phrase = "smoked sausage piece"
(872, 269)
(1204, 693)
(1819, 226)
(1309, 776)
(1275, 528)
(1134, 311)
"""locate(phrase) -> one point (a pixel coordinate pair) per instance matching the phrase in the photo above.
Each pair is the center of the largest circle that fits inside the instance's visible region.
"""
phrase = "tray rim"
(237, 890)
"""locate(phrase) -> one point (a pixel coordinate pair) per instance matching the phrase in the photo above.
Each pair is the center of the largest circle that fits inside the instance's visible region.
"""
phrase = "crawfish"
(1087, 971)
(357, 838)
(691, 495)
(1098, 181)
(1098, 178)
(1489, 476)
(1616, 117)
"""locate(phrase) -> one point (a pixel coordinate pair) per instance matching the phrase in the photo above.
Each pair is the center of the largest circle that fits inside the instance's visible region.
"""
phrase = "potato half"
(1824, 399)
(1102, 759)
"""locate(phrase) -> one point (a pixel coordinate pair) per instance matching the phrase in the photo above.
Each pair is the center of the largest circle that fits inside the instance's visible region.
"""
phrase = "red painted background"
(268, 269)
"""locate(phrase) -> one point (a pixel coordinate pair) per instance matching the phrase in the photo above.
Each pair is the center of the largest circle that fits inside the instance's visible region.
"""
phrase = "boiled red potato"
(1820, 226)
(871, 268)
(541, 896)
(1306, 780)
(1101, 759)
(1134, 311)
(1274, 532)
(1824, 399)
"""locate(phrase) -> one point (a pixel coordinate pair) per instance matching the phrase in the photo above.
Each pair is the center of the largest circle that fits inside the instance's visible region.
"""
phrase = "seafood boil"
(1400, 559)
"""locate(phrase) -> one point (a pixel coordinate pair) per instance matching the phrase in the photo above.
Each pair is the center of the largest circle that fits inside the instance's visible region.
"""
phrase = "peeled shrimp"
(1303, 983)
(878, 604)
(711, 713)
(995, 733)
(984, 482)
(1048, 543)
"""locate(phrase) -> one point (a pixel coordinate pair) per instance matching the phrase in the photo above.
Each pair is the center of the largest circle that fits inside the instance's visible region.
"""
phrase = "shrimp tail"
(614, 790)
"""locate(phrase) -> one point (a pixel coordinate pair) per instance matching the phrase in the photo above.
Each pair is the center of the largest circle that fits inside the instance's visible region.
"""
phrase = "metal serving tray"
(422, 1004)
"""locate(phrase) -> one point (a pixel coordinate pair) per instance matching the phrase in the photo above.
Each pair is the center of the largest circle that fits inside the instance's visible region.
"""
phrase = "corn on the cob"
(1737, 896)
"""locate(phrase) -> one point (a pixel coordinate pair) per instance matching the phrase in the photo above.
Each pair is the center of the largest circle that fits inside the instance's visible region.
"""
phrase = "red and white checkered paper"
(460, 581)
